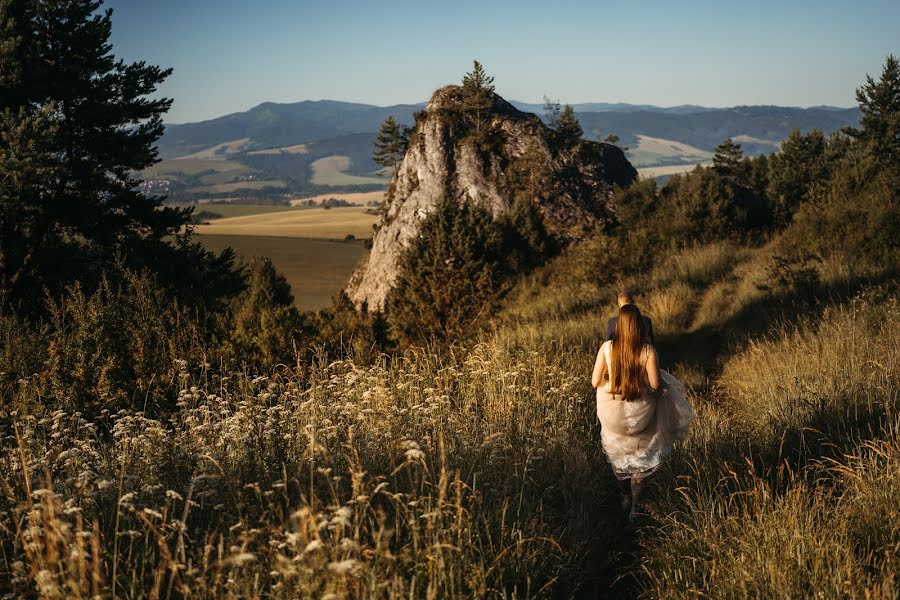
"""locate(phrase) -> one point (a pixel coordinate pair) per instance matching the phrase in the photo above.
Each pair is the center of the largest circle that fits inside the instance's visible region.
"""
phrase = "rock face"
(516, 155)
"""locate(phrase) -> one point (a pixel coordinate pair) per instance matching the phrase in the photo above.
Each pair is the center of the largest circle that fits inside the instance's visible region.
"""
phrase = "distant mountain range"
(272, 125)
(277, 152)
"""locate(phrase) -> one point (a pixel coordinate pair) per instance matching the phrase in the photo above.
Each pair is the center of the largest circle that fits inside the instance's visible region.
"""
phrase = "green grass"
(232, 186)
(192, 166)
(316, 269)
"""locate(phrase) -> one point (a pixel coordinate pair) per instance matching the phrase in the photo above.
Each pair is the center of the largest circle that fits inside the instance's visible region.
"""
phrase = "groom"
(624, 298)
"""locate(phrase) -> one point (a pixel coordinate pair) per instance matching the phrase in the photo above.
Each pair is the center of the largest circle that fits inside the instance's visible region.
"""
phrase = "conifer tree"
(391, 144)
(728, 161)
(449, 276)
(569, 129)
(562, 120)
(879, 102)
(478, 95)
(793, 172)
(76, 124)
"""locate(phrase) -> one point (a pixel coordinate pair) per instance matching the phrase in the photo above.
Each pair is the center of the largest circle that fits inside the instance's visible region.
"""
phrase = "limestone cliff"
(515, 154)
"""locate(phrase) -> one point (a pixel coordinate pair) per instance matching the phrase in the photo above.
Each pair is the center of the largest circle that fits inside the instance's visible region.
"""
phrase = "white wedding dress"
(638, 435)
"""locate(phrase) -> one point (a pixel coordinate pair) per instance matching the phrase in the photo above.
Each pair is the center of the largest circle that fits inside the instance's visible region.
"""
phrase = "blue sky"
(230, 55)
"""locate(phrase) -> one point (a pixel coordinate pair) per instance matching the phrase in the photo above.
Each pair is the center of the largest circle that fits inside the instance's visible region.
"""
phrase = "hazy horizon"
(511, 100)
(230, 56)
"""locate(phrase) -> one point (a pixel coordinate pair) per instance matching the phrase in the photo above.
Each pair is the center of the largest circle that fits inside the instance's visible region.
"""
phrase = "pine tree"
(793, 172)
(451, 275)
(76, 124)
(569, 130)
(728, 161)
(265, 320)
(477, 95)
(879, 102)
(391, 144)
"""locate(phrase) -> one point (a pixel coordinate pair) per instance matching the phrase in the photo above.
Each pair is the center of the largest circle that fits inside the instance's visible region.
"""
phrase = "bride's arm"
(599, 373)
(653, 369)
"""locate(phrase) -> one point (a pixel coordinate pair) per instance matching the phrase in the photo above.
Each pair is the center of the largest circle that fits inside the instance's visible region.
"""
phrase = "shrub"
(265, 326)
(118, 347)
(451, 276)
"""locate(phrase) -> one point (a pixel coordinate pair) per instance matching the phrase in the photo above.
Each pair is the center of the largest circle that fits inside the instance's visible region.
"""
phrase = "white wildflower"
(343, 567)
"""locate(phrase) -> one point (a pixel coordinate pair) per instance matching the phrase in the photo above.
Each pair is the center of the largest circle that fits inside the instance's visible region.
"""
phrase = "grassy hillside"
(153, 446)
(477, 471)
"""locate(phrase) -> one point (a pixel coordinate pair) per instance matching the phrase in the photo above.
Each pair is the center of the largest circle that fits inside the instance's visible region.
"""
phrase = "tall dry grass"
(469, 476)
(476, 471)
(789, 485)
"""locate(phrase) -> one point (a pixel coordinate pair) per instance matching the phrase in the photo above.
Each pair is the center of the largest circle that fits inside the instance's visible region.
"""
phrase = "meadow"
(330, 171)
(315, 269)
(475, 470)
(332, 223)
(193, 166)
(240, 209)
(651, 151)
(668, 170)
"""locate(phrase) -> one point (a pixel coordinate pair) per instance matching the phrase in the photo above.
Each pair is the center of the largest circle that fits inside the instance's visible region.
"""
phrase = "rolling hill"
(277, 152)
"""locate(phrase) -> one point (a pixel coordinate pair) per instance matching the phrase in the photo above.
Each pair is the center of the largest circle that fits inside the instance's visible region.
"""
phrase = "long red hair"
(625, 367)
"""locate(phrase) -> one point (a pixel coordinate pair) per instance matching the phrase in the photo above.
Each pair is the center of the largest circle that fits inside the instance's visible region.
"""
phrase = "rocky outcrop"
(514, 154)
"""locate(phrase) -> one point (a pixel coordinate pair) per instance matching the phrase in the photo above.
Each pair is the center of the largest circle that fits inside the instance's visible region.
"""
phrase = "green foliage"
(564, 123)
(75, 124)
(117, 347)
(794, 171)
(450, 276)
(477, 96)
(266, 327)
(728, 161)
(879, 102)
(525, 239)
(391, 144)
(341, 329)
(568, 130)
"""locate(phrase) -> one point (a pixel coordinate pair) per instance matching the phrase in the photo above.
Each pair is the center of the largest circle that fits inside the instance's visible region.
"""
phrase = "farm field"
(650, 172)
(316, 269)
(295, 149)
(334, 223)
(192, 166)
(225, 148)
(652, 151)
(360, 198)
(247, 185)
(240, 209)
(330, 171)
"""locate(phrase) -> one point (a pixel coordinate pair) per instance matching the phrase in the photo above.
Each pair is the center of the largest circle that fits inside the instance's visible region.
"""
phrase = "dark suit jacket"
(648, 325)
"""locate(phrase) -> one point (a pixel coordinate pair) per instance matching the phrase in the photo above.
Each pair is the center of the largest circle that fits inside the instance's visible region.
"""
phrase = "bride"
(642, 408)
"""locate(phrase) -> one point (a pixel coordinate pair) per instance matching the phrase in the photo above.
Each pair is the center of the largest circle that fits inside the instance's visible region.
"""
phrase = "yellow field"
(650, 172)
(295, 149)
(334, 224)
(359, 198)
(316, 269)
(238, 208)
(232, 147)
(668, 147)
(330, 171)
